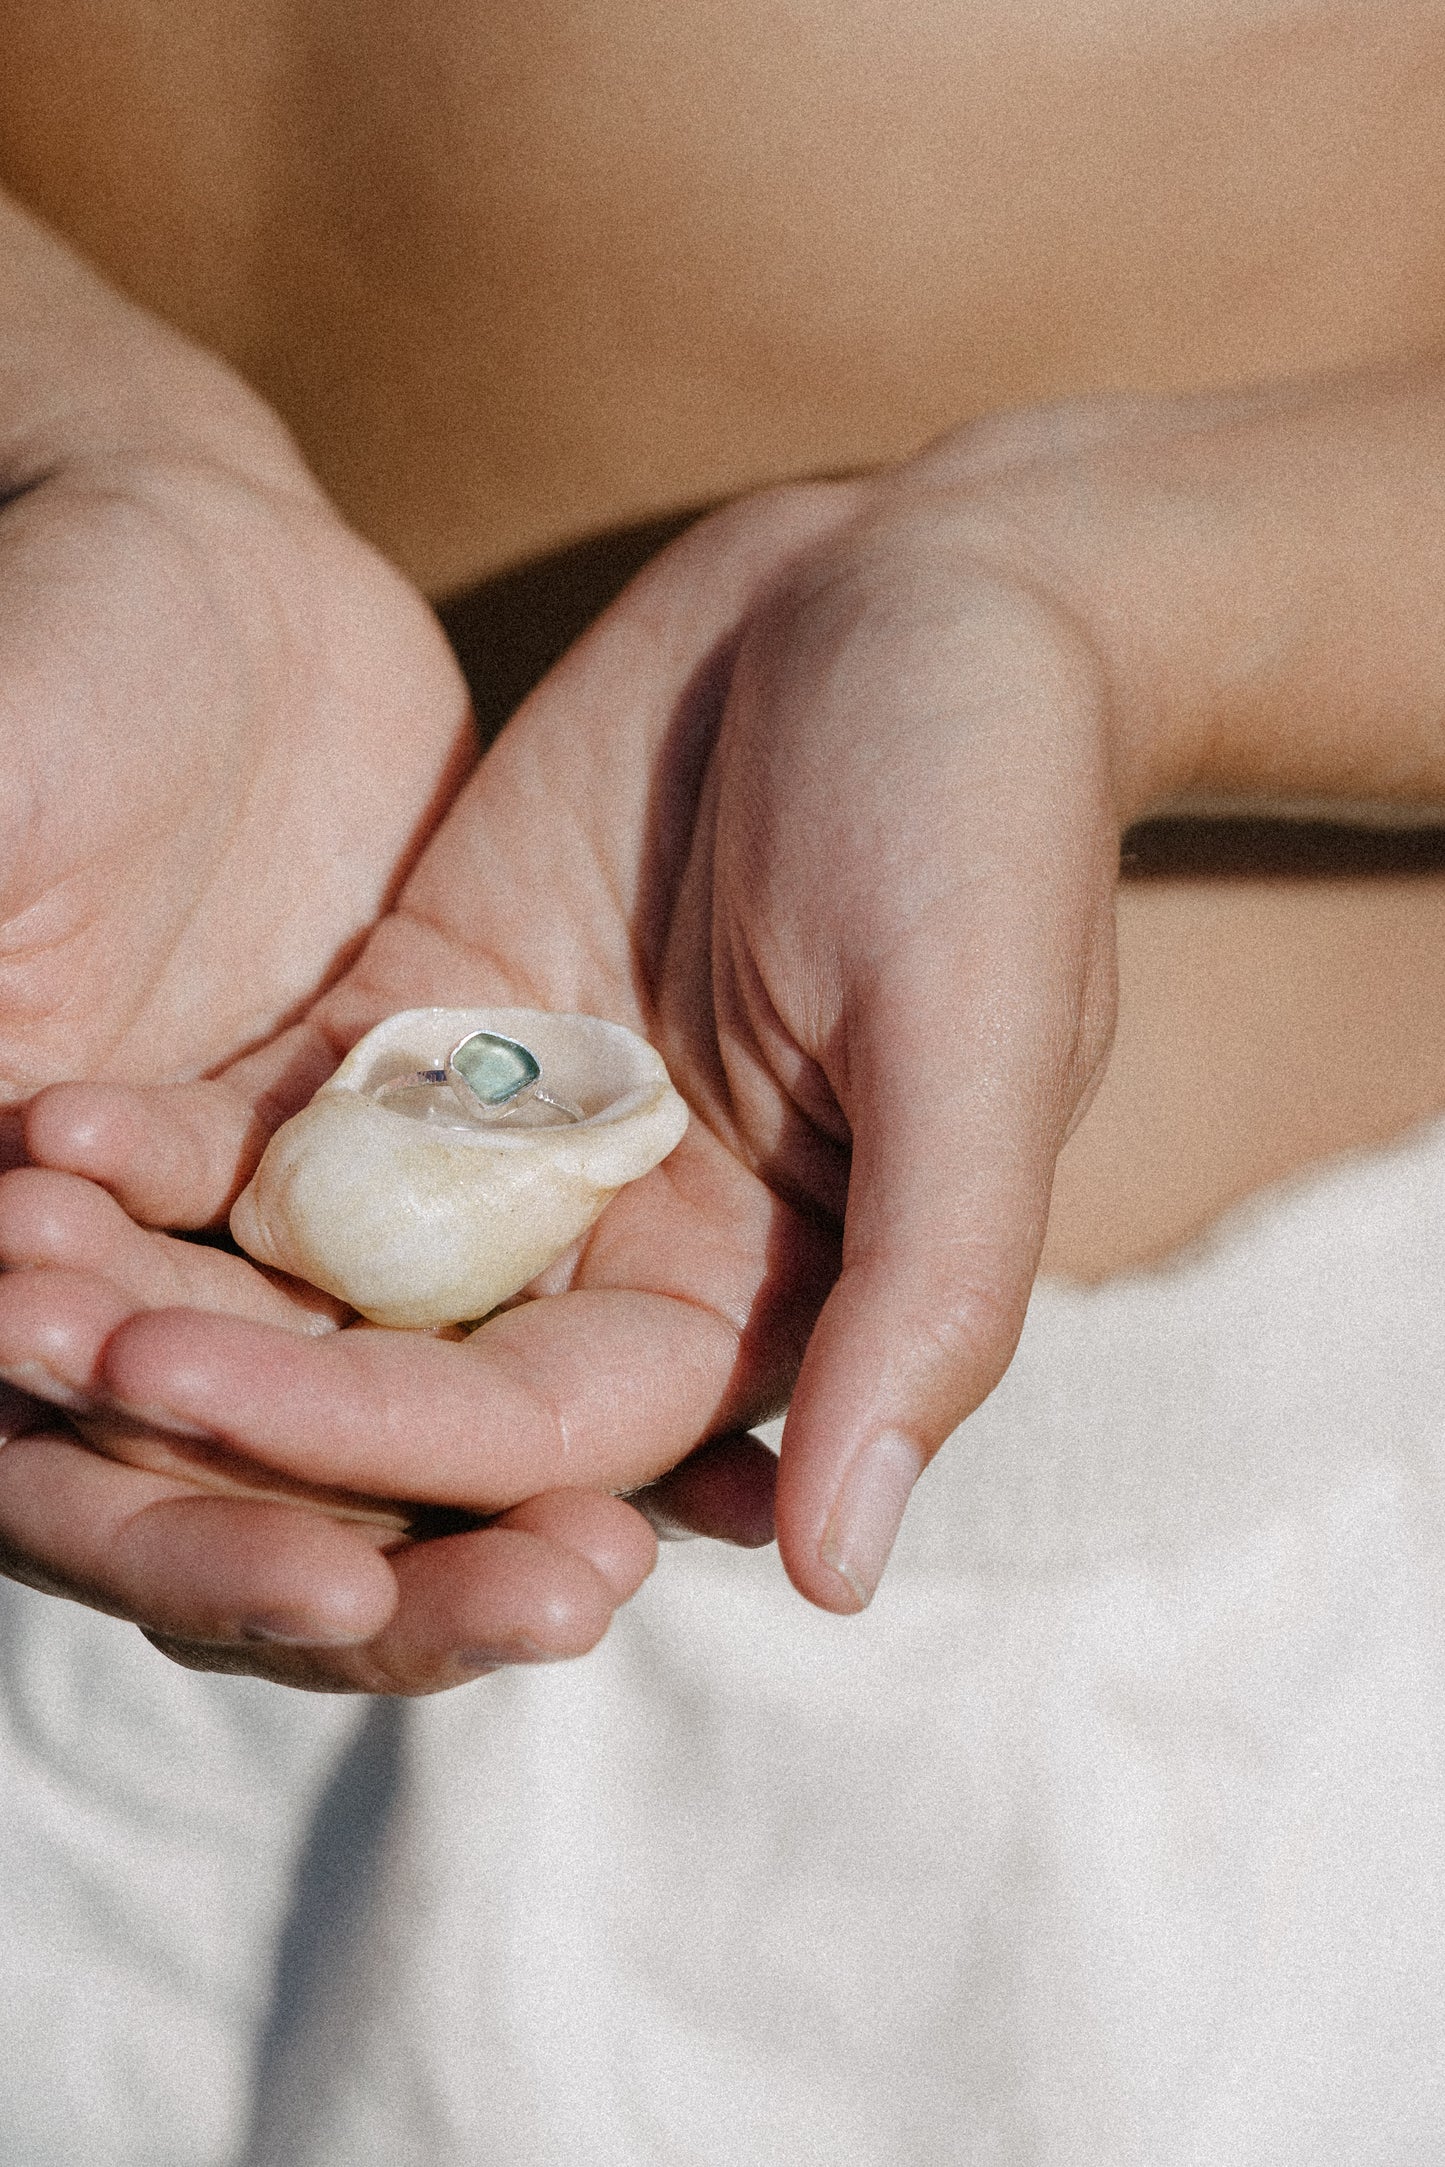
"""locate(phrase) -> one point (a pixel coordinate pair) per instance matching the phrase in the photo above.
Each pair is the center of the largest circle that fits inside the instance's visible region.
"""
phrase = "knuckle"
(963, 1339)
(979, 1325)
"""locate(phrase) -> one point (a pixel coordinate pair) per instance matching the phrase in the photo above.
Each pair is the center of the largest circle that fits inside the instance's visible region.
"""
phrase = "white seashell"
(417, 1215)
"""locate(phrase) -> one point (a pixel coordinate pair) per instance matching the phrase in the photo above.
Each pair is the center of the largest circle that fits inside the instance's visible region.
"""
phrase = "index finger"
(602, 1390)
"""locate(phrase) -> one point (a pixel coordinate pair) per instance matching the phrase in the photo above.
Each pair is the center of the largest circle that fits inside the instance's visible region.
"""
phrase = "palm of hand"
(228, 727)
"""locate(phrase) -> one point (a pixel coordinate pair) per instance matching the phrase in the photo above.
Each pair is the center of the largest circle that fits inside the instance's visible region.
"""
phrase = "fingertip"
(605, 1532)
(81, 1128)
(725, 1490)
(840, 1516)
(896, 1362)
(173, 1155)
(168, 1365)
(865, 1517)
(54, 1324)
(48, 1217)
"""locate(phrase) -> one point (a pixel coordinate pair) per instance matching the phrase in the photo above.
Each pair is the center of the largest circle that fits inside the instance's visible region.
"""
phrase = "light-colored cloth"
(1114, 1832)
(152, 1826)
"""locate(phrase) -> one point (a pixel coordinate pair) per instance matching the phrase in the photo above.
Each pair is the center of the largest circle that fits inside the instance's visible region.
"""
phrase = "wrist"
(1065, 501)
(1260, 576)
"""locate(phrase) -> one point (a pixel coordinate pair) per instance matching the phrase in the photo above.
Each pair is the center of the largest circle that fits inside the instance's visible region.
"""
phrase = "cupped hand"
(227, 729)
(227, 1566)
(828, 807)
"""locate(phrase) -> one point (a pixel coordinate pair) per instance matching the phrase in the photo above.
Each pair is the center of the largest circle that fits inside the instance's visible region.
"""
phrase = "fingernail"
(659, 1519)
(280, 1631)
(868, 1511)
(159, 1418)
(478, 1662)
(42, 1384)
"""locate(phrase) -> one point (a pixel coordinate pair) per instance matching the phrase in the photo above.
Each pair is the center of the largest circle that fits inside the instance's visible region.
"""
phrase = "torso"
(524, 273)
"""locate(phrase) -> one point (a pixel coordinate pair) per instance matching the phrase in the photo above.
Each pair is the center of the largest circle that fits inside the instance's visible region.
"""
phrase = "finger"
(59, 1220)
(947, 1207)
(147, 1548)
(539, 1587)
(598, 1389)
(53, 1329)
(614, 1539)
(907, 925)
(178, 1155)
(723, 1490)
(54, 1326)
(55, 1320)
(174, 1156)
(475, 1603)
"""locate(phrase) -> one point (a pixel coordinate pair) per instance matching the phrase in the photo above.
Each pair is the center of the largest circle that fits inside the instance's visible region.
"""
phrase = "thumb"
(962, 1087)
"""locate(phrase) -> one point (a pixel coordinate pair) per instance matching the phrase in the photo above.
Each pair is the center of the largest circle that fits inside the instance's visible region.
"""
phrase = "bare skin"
(230, 727)
(672, 834)
(653, 347)
(517, 273)
(516, 276)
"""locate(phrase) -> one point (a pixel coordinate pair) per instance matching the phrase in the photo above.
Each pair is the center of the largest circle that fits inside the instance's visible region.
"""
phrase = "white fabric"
(1114, 1832)
(151, 1826)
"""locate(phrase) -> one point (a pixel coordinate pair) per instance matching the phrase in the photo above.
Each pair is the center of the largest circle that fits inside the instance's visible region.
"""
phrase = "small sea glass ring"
(492, 1075)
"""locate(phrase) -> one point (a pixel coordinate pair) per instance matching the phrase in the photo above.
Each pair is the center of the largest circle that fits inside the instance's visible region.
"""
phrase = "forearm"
(86, 373)
(1262, 579)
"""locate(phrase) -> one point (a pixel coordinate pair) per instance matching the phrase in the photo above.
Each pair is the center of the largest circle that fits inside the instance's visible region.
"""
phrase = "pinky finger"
(538, 1585)
(148, 1548)
(608, 1533)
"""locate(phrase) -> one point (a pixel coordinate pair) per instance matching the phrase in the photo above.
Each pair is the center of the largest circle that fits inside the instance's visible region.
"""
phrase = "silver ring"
(490, 1077)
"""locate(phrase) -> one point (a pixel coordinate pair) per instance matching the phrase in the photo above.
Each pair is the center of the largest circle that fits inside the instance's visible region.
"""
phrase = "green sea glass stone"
(495, 1069)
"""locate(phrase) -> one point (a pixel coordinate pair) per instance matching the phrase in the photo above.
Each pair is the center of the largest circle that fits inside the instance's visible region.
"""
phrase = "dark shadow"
(1253, 849)
(13, 492)
(332, 1892)
(509, 630)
